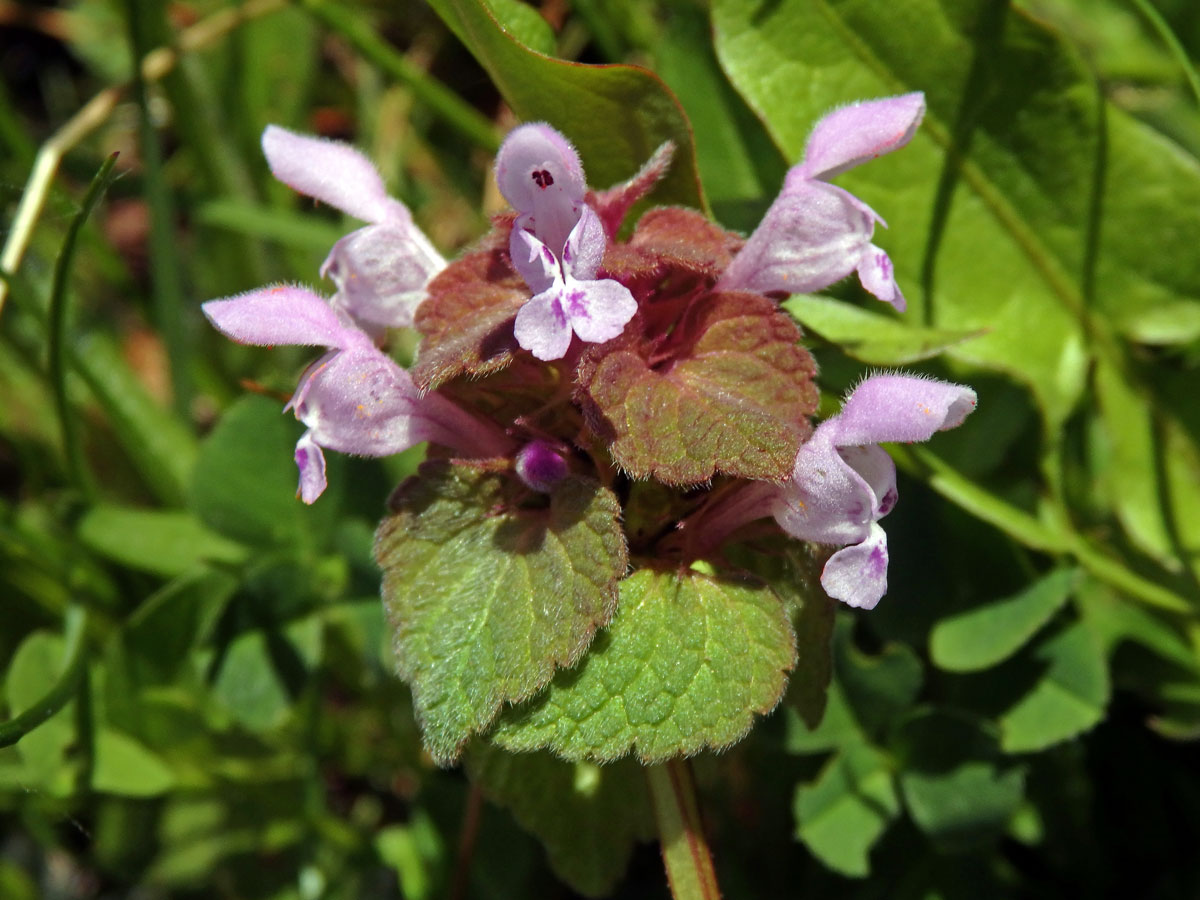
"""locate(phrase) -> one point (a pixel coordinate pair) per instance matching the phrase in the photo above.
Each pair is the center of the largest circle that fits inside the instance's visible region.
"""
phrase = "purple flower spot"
(887, 502)
(575, 303)
(885, 265)
(877, 562)
(547, 255)
(559, 315)
(542, 178)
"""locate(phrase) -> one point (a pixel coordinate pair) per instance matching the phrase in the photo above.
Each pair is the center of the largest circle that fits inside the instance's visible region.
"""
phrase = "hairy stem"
(685, 853)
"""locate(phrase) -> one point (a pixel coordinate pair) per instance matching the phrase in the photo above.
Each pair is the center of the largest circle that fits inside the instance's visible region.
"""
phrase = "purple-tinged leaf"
(734, 397)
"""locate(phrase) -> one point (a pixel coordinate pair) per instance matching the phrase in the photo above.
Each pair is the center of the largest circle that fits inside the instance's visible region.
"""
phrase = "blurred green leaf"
(173, 621)
(415, 850)
(739, 166)
(1152, 474)
(981, 637)
(688, 663)
(164, 542)
(256, 682)
(525, 24)
(872, 337)
(37, 664)
(588, 817)
(1069, 698)
(879, 689)
(953, 785)
(841, 815)
(128, 768)
(487, 599)
(244, 484)
(616, 115)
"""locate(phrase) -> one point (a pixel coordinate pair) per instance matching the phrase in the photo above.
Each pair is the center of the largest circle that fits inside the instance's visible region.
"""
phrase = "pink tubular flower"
(354, 399)
(557, 245)
(843, 484)
(381, 270)
(815, 233)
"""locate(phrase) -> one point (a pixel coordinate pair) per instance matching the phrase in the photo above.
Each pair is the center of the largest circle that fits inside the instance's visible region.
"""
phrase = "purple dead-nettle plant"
(620, 428)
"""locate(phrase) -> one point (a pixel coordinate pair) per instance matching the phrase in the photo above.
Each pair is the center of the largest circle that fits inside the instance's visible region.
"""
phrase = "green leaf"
(981, 637)
(128, 768)
(160, 636)
(257, 680)
(871, 337)
(164, 542)
(879, 689)
(414, 850)
(244, 483)
(841, 815)
(953, 787)
(525, 24)
(1069, 698)
(35, 667)
(616, 115)
(739, 165)
(687, 664)
(488, 597)
(588, 817)
(735, 399)
(1152, 473)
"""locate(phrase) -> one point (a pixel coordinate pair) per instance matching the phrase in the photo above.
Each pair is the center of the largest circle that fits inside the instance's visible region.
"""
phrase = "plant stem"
(62, 691)
(466, 843)
(58, 326)
(685, 853)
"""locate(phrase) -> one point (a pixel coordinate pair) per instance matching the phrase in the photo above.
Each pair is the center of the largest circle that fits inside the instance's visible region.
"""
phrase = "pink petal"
(813, 235)
(311, 463)
(542, 327)
(282, 314)
(361, 402)
(855, 134)
(875, 273)
(900, 408)
(533, 261)
(539, 173)
(825, 500)
(584, 249)
(381, 272)
(857, 575)
(598, 310)
(332, 172)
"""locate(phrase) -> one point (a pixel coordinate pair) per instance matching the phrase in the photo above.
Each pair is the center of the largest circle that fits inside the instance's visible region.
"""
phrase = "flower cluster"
(554, 349)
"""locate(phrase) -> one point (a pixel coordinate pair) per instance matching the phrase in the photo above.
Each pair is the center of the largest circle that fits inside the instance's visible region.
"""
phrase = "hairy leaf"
(488, 597)
(466, 322)
(687, 664)
(734, 398)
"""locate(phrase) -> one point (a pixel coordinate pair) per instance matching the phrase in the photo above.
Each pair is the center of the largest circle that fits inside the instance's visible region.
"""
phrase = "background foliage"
(1017, 717)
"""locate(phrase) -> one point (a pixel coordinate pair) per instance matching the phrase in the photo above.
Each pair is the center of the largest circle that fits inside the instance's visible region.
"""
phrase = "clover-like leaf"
(466, 322)
(844, 812)
(687, 663)
(489, 591)
(734, 398)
